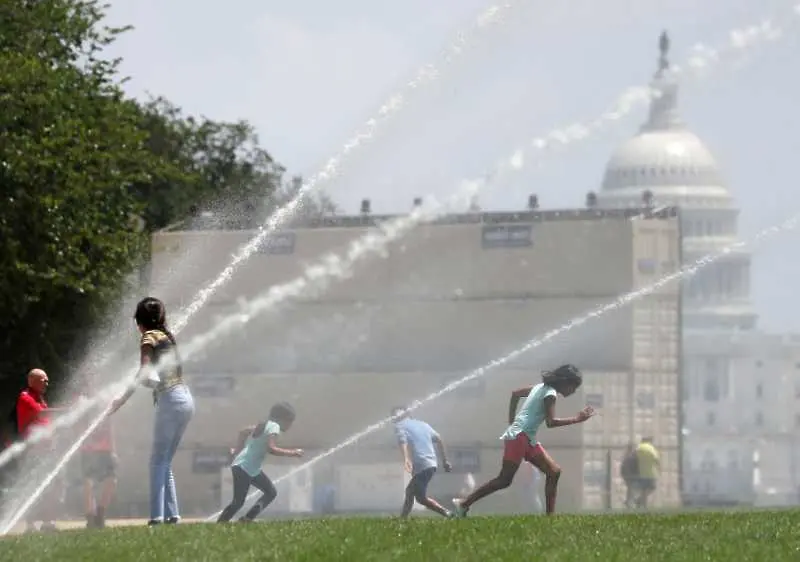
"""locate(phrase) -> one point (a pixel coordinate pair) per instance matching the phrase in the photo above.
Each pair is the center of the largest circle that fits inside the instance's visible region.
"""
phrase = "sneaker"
(172, 521)
(47, 527)
(459, 512)
(154, 522)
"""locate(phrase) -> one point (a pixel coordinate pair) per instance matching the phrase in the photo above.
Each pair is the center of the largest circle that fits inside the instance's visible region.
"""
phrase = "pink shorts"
(521, 449)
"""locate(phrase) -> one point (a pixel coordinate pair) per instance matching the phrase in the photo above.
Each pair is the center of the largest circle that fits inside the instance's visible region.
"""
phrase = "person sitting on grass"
(419, 443)
(520, 437)
(249, 454)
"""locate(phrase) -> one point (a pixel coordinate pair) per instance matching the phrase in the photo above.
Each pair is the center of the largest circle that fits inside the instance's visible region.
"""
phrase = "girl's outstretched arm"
(278, 452)
(145, 361)
(552, 421)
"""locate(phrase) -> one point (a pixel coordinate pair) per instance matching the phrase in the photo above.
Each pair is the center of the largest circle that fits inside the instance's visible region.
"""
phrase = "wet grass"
(733, 537)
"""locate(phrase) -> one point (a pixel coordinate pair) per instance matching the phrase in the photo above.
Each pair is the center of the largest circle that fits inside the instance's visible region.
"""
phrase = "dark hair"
(282, 411)
(565, 374)
(151, 314)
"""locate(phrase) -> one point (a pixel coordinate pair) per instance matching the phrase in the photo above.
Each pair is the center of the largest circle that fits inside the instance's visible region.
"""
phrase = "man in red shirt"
(33, 413)
(99, 467)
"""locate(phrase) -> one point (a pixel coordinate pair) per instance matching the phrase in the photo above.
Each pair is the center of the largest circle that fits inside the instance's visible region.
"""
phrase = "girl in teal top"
(248, 457)
(520, 443)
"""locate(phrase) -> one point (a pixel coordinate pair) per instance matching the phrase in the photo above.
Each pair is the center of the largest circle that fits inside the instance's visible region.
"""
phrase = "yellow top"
(169, 374)
(648, 460)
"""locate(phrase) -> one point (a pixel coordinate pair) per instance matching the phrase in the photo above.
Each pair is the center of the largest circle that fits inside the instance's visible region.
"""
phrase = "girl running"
(520, 437)
(160, 369)
(249, 454)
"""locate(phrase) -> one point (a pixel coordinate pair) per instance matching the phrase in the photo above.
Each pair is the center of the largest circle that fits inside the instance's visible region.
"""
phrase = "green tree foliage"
(218, 167)
(71, 148)
(84, 170)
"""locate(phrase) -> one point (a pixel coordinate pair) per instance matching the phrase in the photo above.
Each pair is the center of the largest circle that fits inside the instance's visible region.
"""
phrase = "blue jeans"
(174, 409)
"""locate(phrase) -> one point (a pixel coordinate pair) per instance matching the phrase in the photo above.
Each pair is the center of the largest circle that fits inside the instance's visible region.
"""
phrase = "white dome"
(664, 158)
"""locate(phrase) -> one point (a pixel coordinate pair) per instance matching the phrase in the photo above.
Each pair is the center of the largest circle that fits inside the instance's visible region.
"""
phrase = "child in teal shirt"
(249, 454)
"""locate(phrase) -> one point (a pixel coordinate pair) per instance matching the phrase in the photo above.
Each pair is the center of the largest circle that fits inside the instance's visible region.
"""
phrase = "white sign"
(370, 487)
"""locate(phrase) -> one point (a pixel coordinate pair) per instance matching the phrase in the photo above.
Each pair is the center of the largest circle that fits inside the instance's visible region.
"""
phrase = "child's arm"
(437, 439)
(406, 456)
(242, 439)
(516, 396)
(278, 452)
(552, 421)
(146, 355)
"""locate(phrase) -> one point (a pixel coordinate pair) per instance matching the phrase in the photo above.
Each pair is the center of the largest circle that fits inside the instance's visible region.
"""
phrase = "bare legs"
(540, 459)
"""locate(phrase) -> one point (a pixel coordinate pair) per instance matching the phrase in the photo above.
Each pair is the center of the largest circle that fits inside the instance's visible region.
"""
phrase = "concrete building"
(732, 413)
(444, 300)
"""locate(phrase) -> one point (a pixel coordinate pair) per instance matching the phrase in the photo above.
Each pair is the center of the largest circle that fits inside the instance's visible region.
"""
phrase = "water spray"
(395, 103)
(621, 301)
(319, 276)
(337, 267)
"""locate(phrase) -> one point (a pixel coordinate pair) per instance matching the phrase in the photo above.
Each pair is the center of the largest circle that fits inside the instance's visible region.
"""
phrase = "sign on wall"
(213, 386)
(280, 243)
(211, 460)
(594, 400)
(507, 236)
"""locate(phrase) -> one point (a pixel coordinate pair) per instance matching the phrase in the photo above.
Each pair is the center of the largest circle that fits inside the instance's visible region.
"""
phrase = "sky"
(310, 73)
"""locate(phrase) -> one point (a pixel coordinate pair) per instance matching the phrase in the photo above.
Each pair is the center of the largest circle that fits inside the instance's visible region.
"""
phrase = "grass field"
(735, 537)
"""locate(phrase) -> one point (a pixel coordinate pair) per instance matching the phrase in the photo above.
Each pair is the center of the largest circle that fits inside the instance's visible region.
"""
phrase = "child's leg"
(419, 485)
(408, 503)
(263, 483)
(88, 501)
(241, 483)
(514, 452)
(545, 463)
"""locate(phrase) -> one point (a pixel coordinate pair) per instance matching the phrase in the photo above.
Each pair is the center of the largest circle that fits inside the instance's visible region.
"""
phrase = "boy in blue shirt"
(520, 437)
(249, 454)
(419, 443)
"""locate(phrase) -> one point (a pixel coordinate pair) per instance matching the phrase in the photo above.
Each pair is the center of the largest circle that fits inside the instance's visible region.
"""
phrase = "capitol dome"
(664, 157)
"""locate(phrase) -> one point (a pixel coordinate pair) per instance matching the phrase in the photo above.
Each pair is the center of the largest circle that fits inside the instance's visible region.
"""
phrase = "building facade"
(445, 300)
(734, 443)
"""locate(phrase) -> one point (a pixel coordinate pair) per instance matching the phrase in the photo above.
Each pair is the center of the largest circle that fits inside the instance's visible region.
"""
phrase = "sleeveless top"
(169, 375)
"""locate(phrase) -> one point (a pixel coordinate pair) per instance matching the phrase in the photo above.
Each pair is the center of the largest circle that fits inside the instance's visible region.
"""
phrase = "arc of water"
(426, 74)
(374, 243)
(619, 302)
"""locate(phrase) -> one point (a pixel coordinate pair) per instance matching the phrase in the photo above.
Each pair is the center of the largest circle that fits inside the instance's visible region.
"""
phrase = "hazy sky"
(309, 73)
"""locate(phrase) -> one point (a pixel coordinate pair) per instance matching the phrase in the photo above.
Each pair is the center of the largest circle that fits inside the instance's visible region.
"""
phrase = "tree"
(71, 148)
(215, 165)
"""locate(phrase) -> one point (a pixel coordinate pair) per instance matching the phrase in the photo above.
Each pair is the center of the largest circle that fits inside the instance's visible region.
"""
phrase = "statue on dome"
(663, 47)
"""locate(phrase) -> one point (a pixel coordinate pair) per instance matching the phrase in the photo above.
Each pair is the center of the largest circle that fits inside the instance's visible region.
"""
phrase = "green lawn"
(730, 537)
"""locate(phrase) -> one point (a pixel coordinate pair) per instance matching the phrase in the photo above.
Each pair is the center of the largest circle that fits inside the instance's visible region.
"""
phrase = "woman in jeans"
(161, 371)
